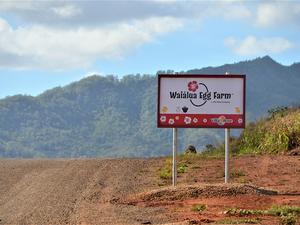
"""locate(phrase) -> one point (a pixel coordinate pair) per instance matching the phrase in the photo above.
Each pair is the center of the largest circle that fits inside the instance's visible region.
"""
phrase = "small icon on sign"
(237, 109)
(187, 120)
(185, 109)
(164, 109)
(163, 119)
(171, 121)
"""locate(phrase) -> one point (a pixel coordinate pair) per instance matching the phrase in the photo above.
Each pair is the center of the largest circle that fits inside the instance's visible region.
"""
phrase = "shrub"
(277, 134)
(287, 214)
(199, 208)
(165, 172)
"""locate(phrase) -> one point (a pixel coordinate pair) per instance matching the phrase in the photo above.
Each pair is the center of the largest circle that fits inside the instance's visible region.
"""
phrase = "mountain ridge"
(107, 116)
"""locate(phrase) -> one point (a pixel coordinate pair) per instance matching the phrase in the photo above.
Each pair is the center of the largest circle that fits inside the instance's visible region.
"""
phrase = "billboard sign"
(201, 101)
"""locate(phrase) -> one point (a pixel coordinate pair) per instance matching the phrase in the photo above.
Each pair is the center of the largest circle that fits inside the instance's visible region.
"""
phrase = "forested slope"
(106, 116)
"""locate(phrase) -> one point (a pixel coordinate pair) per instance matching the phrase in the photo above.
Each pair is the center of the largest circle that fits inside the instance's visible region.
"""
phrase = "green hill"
(278, 133)
(106, 116)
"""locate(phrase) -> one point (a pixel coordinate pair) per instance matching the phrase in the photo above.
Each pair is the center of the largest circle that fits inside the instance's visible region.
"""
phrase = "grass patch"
(166, 171)
(243, 212)
(199, 208)
(182, 167)
(289, 219)
(243, 180)
(184, 160)
(233, 174)
(284, 210)
(288, 214)
(278, 133)
(214, 153)
(237, 174)
(273, 211)
(165, 174)
(241, 221)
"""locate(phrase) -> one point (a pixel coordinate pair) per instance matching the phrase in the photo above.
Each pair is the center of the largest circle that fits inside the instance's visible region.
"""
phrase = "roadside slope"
(74, 191)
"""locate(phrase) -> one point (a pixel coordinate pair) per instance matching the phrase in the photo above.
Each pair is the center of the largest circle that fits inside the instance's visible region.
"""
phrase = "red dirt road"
(91, 191)
(75, 191)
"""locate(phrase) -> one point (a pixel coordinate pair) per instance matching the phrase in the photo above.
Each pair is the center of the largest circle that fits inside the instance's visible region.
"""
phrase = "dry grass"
(274, 135)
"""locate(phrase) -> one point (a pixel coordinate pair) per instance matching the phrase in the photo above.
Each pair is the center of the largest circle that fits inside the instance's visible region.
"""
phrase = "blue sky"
(44, 44)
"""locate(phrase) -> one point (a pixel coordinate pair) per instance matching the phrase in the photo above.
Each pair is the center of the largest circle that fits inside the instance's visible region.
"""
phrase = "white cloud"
(93, 13)
(232, 9)
(167, 1)
(237, 12)
(66, 11)
(16, 5)
(62, 34)
(278, 13)
(253, 46)
(41, 46)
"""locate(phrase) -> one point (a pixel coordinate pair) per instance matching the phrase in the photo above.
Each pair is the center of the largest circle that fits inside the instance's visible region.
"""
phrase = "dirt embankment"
(125, 191)
(75, 191)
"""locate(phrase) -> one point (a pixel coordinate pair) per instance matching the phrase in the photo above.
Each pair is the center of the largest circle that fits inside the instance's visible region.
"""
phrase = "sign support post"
(227, 150)
(227, 140)
(174, 168)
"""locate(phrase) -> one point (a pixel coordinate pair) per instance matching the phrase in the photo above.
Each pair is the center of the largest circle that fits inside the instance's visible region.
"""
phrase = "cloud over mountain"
(72, 34)
(50, 47)
(254, 46)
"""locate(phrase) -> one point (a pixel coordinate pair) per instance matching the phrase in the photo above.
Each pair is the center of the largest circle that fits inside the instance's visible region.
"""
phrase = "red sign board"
(195, 101)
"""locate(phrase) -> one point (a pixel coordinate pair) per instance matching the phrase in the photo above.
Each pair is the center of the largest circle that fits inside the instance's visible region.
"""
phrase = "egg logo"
(204, 95)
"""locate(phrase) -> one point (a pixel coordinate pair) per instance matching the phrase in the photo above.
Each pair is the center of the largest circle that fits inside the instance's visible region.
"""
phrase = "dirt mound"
(198, 191)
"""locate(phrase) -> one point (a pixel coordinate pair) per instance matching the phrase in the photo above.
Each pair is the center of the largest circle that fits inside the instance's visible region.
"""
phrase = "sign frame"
(224, 76)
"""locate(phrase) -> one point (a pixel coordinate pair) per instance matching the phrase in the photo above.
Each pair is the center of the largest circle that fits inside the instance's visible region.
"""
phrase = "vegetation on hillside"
(106, 116)
(278, 133)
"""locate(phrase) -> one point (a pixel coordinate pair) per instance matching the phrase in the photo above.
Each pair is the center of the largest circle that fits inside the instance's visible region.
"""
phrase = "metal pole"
(227, 149)
(174, 169)
(227, 140)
